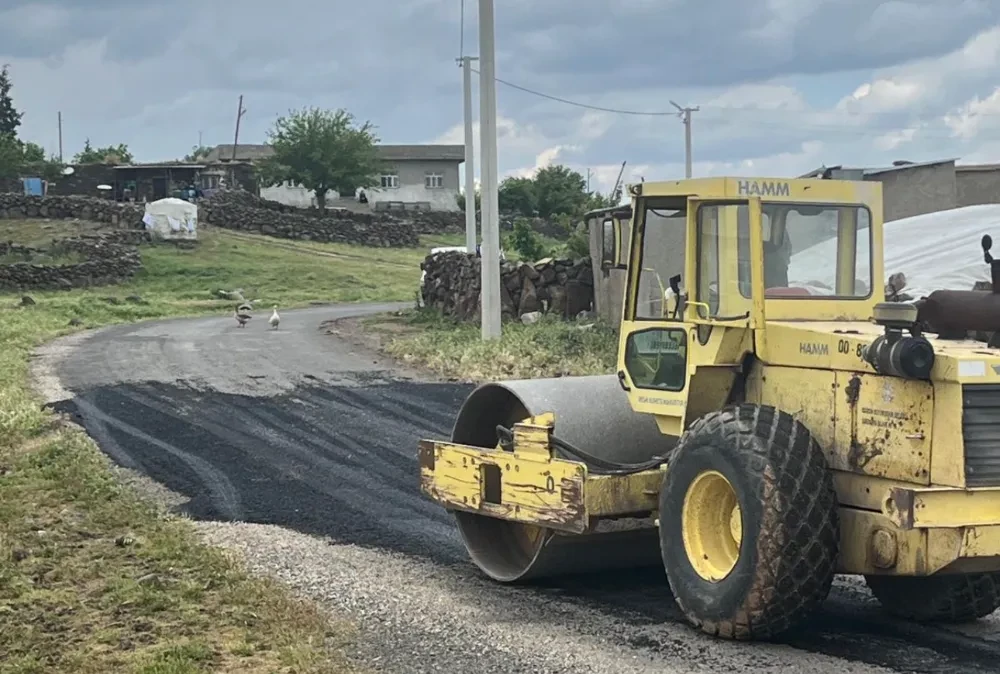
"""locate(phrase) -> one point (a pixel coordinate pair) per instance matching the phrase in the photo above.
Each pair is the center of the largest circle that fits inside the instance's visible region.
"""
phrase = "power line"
(668, 113)
(706, 108)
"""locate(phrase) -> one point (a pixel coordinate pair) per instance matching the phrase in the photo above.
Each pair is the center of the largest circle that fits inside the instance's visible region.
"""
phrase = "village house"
(416, 177)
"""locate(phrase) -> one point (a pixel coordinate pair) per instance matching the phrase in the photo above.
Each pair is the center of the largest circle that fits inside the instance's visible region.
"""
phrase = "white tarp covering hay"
(171, 218)
(936, 251)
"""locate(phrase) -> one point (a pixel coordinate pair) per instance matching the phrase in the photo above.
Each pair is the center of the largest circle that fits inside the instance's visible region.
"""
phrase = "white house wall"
(412, 186)
(294, 195)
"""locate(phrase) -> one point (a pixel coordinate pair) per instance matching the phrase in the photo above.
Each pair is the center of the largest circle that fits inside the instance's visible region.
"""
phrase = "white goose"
(275, 318)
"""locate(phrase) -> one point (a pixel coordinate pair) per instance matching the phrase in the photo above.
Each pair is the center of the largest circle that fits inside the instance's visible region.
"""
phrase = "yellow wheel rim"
(712, 526)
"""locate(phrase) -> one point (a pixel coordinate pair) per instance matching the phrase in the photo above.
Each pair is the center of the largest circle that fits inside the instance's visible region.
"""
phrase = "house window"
(433, 181)
(390, 181)
(209, 182)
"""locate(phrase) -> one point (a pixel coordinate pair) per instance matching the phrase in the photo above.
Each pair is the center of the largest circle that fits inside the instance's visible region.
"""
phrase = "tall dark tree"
(322, 150)
(10, 118)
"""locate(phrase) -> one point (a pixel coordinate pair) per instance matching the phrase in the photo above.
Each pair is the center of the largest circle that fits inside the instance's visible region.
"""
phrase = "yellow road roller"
(774, 420)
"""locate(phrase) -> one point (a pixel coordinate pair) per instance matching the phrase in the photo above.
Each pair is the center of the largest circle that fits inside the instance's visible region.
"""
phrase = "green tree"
(559, 189)
(597, 200)
(103, 155)
(517, 195)
(526, 241)
(10, 118)
(198, 152)
(18, 159)
(322, 150)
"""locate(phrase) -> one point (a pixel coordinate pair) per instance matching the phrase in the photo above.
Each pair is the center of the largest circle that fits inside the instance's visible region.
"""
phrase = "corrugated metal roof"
(386, 152)
(977, 167)
(422, 152)
(158, 165)
(876, 170)
(243, 153)
(903, 167)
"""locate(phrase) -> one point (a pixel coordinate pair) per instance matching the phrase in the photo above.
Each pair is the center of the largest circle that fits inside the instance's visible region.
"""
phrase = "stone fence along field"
(94, 209)
(560, 287)
(77, 262)
(422, 222)
(242, 211)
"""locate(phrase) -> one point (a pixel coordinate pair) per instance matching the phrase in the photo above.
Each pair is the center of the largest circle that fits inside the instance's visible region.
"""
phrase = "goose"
(275, 318)
(242, 314)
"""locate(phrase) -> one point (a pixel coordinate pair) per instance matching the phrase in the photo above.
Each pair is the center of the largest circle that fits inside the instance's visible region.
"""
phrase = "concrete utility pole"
(685, 115)
(60, 137)
(470, 160)
(490, 286)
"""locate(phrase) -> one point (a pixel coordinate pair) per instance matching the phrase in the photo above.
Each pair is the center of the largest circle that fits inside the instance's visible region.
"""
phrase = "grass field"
(92, 579)
(549, 348)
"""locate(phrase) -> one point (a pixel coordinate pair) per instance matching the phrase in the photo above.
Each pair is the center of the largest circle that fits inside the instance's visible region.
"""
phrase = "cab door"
(683, 359)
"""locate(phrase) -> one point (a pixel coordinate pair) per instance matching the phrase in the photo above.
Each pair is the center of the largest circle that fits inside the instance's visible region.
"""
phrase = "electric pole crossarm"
(685, 115)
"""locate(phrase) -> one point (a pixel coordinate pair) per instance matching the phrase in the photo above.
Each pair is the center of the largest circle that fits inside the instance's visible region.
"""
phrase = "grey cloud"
(192, 59)
(699, 43)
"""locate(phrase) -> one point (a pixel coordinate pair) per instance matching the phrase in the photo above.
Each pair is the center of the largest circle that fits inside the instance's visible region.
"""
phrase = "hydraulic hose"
(596, 465)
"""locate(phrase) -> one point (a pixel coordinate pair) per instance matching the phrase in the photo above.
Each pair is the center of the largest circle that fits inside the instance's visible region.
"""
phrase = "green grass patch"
(92, 577)
(548, 348)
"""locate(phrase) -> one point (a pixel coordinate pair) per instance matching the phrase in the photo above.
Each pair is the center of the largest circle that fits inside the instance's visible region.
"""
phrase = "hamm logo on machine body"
(763, 188)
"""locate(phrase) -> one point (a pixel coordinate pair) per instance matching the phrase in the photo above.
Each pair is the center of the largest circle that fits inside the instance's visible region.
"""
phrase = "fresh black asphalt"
(296, 428)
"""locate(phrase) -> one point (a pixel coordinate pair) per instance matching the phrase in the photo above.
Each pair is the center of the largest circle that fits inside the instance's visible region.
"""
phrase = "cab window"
(663, 230)
(609, 244)
(811, 250)
(657, 358)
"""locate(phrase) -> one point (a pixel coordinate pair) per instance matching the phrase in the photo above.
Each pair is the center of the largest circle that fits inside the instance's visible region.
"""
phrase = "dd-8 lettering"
(844, 346)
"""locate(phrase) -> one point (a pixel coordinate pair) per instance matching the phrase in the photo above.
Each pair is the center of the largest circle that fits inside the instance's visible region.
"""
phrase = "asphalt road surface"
(297, 451)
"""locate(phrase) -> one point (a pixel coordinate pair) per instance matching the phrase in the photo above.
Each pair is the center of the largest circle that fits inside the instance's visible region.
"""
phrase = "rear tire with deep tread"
(958, 598)
(790, 528)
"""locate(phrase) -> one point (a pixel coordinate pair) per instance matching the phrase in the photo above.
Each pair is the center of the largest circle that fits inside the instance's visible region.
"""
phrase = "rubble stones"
(94, 209)
(421, 222)
(108, 258)
(560, 287)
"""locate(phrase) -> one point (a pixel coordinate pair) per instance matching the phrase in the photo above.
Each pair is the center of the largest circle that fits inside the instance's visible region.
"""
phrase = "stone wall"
(560, 287)
(423, 222)
(93, 209)
(107, 259)
(245, 212)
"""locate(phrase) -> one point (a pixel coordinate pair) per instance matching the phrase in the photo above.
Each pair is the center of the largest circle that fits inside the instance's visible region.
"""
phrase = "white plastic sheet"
(935, 251)
(172, 218)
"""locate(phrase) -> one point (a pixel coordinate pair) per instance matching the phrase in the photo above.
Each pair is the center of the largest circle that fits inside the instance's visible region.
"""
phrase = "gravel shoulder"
(295, 450)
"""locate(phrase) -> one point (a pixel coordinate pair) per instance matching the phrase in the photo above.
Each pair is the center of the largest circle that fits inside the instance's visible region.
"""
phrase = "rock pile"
(94, 209)
(243, 211)
(560, 287)
(107, 259)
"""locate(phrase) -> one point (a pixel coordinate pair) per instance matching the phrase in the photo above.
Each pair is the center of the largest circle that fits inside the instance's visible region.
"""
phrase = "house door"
(159, 188)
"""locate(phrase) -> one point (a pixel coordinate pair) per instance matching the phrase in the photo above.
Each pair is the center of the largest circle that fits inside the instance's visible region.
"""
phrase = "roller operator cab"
(770, 424)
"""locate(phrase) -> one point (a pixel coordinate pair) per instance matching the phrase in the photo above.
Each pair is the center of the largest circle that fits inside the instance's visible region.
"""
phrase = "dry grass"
(94, 579)
(549, 348)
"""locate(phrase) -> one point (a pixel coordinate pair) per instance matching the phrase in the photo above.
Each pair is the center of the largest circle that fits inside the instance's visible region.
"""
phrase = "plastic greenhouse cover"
(935, 251)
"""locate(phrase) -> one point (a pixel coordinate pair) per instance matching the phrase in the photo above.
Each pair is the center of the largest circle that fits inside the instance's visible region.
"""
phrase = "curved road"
(309, 445)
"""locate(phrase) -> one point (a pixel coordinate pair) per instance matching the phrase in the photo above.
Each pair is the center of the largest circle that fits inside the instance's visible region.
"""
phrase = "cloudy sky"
(783, 86)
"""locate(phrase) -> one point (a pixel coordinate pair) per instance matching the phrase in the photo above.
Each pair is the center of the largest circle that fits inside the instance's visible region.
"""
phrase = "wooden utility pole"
(685, 115)
(60, 137)
(239, 114)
